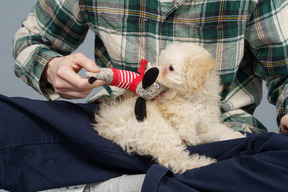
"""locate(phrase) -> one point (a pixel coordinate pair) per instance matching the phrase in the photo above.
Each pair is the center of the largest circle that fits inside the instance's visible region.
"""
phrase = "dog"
(186, 114)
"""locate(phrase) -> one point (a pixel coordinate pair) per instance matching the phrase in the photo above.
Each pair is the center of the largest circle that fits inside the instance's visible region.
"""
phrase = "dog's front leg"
(182, 122)
(186, 127)
(163, 142)
(189, 135)
(179, 160)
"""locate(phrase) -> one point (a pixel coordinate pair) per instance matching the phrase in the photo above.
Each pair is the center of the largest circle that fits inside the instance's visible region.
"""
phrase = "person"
(248, 40)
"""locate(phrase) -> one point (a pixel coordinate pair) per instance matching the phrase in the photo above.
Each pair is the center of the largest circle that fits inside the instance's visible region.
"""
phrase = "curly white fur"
(187, 114)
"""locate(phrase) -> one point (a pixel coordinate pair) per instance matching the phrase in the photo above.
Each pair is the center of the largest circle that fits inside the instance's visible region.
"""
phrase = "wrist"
(46, 87)
(49, 68)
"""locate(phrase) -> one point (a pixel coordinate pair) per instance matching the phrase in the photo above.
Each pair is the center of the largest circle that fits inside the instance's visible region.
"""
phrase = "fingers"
(86, 63)
(75, 90)
(81, 61)
(284, 129)
(284, 124)
(62, 74)
(75, 81)
(69, 91)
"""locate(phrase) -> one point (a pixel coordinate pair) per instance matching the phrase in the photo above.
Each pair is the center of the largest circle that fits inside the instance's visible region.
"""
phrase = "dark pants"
(50, 144)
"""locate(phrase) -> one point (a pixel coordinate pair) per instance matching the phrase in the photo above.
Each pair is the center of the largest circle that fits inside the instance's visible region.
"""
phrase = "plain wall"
(12, 12)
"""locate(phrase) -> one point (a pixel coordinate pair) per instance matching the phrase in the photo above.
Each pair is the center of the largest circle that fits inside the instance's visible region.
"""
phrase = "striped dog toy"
(142, 84)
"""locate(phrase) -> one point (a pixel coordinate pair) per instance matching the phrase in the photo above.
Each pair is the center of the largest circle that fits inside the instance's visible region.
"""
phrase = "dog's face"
(184, 68)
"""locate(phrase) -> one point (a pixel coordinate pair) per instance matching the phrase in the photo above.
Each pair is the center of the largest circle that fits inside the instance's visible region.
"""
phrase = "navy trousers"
(50, 144)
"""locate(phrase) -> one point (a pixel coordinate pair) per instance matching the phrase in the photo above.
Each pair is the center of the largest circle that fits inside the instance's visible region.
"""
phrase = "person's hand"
(284, 124)
(61, 72)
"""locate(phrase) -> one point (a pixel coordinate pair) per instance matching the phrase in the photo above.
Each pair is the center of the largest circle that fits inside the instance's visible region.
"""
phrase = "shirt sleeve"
(54, 28)
(267, 37)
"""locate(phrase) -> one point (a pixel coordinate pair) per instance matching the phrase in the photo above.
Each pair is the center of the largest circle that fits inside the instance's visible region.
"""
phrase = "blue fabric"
(257, 163)
(50, 144)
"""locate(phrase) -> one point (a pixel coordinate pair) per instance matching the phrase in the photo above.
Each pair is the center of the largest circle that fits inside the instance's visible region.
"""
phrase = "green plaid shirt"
(248, 39)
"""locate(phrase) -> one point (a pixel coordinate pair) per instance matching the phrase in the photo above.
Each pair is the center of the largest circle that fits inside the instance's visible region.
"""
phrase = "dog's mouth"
(161, 95)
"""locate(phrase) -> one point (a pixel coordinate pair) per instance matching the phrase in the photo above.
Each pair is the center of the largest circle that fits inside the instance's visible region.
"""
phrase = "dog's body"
(187, 114)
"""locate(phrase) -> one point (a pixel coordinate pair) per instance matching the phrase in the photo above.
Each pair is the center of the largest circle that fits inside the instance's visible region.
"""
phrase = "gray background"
(14, 11)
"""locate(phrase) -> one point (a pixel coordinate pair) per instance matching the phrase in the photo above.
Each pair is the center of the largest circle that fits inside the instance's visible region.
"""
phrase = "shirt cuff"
(45, 88)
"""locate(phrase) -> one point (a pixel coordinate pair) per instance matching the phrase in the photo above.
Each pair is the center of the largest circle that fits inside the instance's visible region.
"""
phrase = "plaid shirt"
(248, 39)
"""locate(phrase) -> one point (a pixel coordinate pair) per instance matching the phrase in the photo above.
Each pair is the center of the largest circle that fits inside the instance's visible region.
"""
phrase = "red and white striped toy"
(142, 84)
(127, 79)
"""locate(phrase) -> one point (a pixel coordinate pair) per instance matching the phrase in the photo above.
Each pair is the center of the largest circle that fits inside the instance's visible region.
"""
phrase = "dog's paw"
(191, 141)
(180, 165)
(201, 160)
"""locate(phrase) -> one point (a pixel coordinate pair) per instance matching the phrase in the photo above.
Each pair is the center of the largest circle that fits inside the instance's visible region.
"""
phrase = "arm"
(53, 30)
(267, 37)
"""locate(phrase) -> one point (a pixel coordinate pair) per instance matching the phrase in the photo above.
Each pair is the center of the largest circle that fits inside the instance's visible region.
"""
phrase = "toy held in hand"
(142, 84)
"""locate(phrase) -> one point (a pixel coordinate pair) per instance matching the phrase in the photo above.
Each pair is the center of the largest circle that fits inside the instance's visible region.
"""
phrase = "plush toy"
(142, 84)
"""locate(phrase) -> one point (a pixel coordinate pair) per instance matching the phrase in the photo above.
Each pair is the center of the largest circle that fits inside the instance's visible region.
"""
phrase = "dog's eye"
(171, 68)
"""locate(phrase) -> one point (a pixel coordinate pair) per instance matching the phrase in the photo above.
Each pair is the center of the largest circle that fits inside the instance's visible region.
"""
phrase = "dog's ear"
(197, 72)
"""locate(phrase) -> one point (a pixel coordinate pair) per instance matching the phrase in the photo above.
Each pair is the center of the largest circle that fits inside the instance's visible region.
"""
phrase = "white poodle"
(188, 113)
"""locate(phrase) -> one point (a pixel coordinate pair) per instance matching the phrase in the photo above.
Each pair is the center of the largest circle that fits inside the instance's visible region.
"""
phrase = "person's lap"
(53, 143)
(50, 144)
